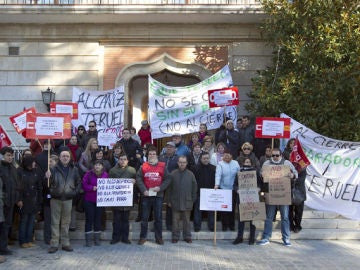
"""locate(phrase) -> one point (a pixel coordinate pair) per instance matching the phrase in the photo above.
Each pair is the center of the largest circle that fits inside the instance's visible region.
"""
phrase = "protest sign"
(48, 126)
(114, 192)
(4, 138)
(107, 139)
(274, 172)
(19, 120)
(279, 191)
(106, 108)
(215, 200)
(249, 195)
(272, 127)
(247, 179)
(65, 107)
(183, 109)
(252, 211)
(223, 97)
(333, 177)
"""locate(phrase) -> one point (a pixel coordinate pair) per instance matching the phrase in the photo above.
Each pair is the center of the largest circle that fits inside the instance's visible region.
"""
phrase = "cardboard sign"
(274, 172)
(248, 195)
(19, 120)
(48, 126)
(4, 138)
(252, 211)
(272, 127)
(279, 191)
(114, 192)
(223, 97)
(65, 107)
(216, 200)
(247, 179)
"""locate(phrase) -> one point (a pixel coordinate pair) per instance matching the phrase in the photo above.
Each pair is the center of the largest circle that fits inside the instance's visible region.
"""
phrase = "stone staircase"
(316, 225)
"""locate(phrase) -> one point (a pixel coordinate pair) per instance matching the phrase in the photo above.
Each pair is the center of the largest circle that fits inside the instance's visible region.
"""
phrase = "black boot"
(252, 235)
(97, 238)
(238, 240)
(88, 236)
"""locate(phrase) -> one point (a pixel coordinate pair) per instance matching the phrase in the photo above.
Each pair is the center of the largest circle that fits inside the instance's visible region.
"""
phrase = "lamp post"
(48, 96)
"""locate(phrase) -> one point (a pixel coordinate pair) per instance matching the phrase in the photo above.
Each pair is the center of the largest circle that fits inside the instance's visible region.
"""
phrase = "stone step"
(316, 225)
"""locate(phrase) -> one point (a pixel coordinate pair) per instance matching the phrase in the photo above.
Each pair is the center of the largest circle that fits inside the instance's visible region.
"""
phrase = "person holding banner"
(121, 214)
(277, 159)
(180, 196)
(152, 179)
(93, 213)
(65, 184)
(225, 177)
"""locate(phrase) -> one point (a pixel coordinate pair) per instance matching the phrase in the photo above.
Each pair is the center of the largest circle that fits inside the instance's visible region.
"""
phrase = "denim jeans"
(5, 226)
(26, 228)
(285, 226)
(198, 216)
(156, 204)
(93, 216)
(120, 224)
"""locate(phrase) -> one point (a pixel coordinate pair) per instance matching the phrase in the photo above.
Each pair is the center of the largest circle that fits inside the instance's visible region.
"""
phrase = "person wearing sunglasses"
(91, 133)
(247, 152)
(277, 159)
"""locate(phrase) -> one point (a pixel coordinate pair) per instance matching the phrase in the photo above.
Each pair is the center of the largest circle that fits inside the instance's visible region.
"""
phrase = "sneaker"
(159, 241)
(263, 242)
(287, 243)
(30, 244)
(25, 245)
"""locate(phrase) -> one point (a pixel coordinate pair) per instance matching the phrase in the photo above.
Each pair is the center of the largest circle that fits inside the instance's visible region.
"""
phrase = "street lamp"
(48, 96)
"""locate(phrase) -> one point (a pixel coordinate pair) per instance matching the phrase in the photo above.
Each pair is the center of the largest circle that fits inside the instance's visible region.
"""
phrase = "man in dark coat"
(9, 176)
(65, 184)
(205, 178)
(132, 149)
(181, 196)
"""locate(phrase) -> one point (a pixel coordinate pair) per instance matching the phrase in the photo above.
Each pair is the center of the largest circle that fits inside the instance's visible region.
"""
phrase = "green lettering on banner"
(347, 162)
(337, 159)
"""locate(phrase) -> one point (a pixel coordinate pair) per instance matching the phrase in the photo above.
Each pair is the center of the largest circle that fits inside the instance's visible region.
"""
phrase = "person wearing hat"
(65, 184)
(231, 138)
(145, 133)
(170, 158)
(181, 147)
(93, 213)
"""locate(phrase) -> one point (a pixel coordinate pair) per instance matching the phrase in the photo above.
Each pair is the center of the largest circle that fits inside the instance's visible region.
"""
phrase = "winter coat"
(89, 182)
(9, 176)
(205, 176)
(64, 185)
(30, 190)
(226, 174)
(131, 148)
(182, 191)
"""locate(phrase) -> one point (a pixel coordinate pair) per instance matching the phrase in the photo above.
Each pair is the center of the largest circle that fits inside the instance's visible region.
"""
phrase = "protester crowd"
(56, 178)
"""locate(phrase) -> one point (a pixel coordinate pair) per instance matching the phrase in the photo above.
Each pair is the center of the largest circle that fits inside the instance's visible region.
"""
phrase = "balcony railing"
(129, 2)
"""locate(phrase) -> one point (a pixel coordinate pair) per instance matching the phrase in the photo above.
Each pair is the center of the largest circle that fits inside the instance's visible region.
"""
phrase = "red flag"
(298, 157)
(4, 138)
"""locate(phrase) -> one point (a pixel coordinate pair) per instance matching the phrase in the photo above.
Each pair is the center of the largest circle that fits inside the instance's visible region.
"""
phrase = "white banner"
(106, 108)
(333, 178)
(183, 109)
(114, 192)
(215, 200)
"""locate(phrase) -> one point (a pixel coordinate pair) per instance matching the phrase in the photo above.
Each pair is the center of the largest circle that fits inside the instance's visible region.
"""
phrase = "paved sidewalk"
(201, 254)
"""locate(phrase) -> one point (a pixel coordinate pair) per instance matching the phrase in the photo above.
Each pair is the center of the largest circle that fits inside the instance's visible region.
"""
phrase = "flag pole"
(48, 155)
